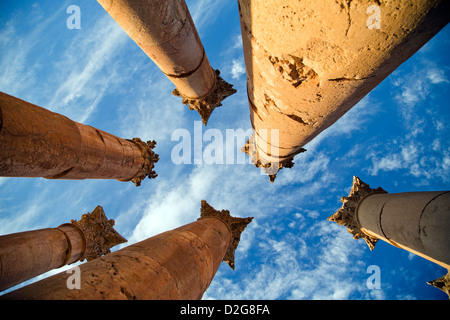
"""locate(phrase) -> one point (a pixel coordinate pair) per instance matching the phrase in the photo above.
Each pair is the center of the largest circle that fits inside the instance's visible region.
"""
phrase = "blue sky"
(396, 138)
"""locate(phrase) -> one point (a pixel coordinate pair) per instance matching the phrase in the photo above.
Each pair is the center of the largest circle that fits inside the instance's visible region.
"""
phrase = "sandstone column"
(415, 221)
(35, 142)
(177, 264)
(308, 62)
(25, 255)
(164, 30)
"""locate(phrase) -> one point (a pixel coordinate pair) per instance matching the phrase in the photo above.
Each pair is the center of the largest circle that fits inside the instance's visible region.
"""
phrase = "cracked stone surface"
(309, 62)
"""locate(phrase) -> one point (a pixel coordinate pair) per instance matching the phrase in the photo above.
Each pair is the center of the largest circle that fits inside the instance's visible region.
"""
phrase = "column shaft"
(309, 62)
(25, 255)
(177, 264)
(28, 254)
(35, 142)
(415, 221)
(165, 31)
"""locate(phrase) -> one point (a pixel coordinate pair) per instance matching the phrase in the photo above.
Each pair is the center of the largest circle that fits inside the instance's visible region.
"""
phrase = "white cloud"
(69, 70)
(436, 75)
(414, 158)
(414, 87)
(18, 68)
(237, 69)
(286, 271)
(84, 78)
(205, 12)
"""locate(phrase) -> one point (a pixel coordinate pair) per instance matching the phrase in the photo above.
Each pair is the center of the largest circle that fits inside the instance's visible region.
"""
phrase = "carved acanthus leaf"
(150, 158)
(99, 232)
(236, 225)
(346, 215)
(269, 168)
(205, 106)
(442, 283)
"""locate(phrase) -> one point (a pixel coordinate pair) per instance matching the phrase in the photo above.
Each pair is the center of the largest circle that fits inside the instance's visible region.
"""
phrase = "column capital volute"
(235, 225)
(99, 233)
(150, 158)
(206, 105)
(442, 283)
(347, 214)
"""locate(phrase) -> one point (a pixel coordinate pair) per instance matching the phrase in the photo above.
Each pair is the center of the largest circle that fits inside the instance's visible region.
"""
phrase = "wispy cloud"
(84, 80)
(237, 69)
(76, 63)
(286, 270)
(412, 159)
(422, 117)
(205, 12)
(18, 67)
(413, 88)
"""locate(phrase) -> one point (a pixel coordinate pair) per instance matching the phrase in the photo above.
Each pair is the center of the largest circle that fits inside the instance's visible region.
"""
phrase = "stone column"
(164, 30)
(308, 62)
(415, 221)
(35, 142)
(177, 264)
(25, 255)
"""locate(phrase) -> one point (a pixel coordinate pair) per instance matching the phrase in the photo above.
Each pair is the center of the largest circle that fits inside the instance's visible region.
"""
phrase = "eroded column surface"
(418, 222)
(35, 142)
(308, 62)
(25, 255)
(177, 264)
(165, 31)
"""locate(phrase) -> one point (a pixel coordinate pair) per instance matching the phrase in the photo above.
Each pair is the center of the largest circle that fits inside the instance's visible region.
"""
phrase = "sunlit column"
(177, 264)
(35, 142)
(165, 31)
(308, 62)
(418, 222)
(25, 255)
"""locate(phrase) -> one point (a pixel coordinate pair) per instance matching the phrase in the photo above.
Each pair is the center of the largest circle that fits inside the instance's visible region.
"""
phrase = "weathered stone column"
(35, 142)
(25, 255)
(415, 221)
(164, 30)
(308, 62)
(177, 264)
